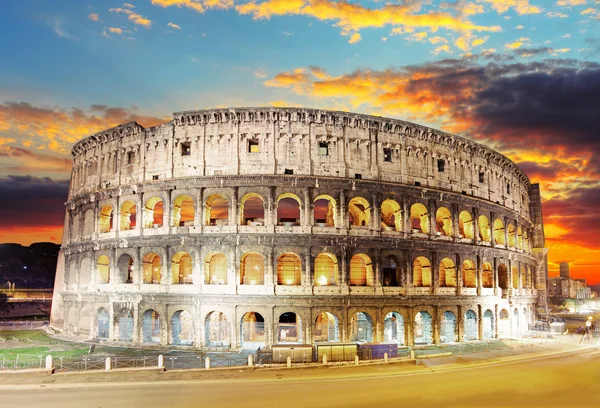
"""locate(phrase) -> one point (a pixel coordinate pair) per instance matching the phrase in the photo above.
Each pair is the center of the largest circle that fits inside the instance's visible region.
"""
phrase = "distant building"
(566, 288)
(564, 270)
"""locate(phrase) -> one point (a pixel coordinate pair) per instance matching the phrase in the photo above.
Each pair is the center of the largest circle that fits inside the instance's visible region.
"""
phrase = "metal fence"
(22, 325)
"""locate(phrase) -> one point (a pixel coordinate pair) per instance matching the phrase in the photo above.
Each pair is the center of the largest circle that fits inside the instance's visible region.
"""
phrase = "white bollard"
(385, 357)
(412, 354)
(289, 362)
(107, 365)
(161, 361)
(49, 362)
(325, 359)
(207, 363)
(356, 360)
(250, 360)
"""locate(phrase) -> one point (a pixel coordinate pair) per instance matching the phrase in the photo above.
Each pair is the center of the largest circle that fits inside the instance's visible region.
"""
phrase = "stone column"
(475, 226)
(435, 271)
(432, 208)
(436, 325)
(455, 221)
(459, 274)
(233, 206)
(307, 275)
(343, 272)
(480, 312)
(408, 266)
(460, 323)
(491, 226)
(306, 208)
(342, 214)
(376, 219)
(406, 209)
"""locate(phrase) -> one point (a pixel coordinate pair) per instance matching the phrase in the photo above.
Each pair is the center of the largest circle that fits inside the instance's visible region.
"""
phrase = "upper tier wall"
(254, 141)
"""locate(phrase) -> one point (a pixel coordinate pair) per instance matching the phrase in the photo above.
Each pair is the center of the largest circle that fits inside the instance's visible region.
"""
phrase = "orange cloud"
(520, 6)
(197, 5)
(517, 43)
(132, 16)
(115, 30)
(93, 17)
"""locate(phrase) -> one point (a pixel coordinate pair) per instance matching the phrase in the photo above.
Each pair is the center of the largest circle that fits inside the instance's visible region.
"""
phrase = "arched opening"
(217, 330)
(484, 229)
(103, 267)
(511, 235)
(106, 219)
(419, 218)
(326, 328)
(359, 212)
(443, 220)
(448, 327)
(516, 323)
(217, 210)
(447, 273)
(487, 275)
(361, 271)
(390, 272)
(325, 211)
(361, 327)
(125, 269)
(289, 269)
(391, 215)
(289, 329)
(423, 326)
(499, 231)
(503, 277)
(151, 330)
(469, 274)
(152, 268)
(182, 268)
(422, 272)
(515, 277)
(470, 325)
(252, 210)
(466, 226)
(488, 325)
(393, 328)
(153, 213)
(183, 211)
(520, 237)
(124, 324)
(529, 278)
(128, 216)
(252, 269)
(326, 270)
(503, 324)
(525, 241)
(288, 210)
(182, 328)
(215, 269)
(523, 277)
(103, 323)
(252, 330)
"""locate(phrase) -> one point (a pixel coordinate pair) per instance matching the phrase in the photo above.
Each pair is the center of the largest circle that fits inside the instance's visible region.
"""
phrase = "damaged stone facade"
(247, 227)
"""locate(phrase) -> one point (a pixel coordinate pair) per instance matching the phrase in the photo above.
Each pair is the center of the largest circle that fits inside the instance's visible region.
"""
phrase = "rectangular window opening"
(155, 177)
(387, 155)
(481, 176)
(186, 149)
(417, 183)
(253, 146)
(288, 171)
(441, 165)
(130, 157)
(323, 149)
(358, 176)
(507, 188)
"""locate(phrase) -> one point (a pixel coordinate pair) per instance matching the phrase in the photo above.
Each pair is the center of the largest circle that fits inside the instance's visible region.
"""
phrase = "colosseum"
(251, 227)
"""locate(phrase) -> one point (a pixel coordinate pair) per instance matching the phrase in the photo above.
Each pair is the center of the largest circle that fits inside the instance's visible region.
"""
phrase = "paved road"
(561, 381)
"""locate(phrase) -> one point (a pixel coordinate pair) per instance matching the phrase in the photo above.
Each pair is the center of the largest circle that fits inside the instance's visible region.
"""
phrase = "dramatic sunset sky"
(521, 76)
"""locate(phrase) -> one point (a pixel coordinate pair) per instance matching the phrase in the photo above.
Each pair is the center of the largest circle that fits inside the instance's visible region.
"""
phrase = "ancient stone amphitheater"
(248, 227)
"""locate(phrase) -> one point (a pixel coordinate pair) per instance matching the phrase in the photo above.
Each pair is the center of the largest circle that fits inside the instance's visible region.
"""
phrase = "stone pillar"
(343, 270)
(475, 226)
(436, 324)
(409, 329)
(269, 273)
(455, 221)
(479, 274)
(505, 221)
(376, 213)
(459, 273)
(306, 208)
(407, 224)
(342, 215)
(435, 271)
(460, 323)
(408, 266)
(491, 226)
(233, 207)
(431, 209)
(307, 275)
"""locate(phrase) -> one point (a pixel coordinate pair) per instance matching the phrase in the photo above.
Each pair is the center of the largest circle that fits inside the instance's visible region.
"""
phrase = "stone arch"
(151, 326)
(361, 271)
(88, 222)
(511, 235)
(422, 272)
(288, 209)
(447, 272)
(443, 220)
(252, 209)
(361, 327)
(151, 267)
(391, 271)
(499, 231)
(252, 330)
(325, 211)
(182, 328)
(488, 325)
(85, 271)
(182, 267)
(526, 240)
(503, 277)
(359, 212)
(393, 328)
(326, 270)
(183, 210)
(128, 216)
(153, 212)
(105, 224)
(252, 269)
(515, 277)
(85, 321)
(217, 210)
(448, 327)
(289, 328)
(469, 274)
(103, 323)
(326, 328)
(289, 269)
(125, 268)
(503, 324)
(423, 328)
(103, 268)
(419, 218)
(466, 225)
(523, 277)
(215, 269)
(470, 326)
(124, 322)
(391, 215)
(520, 237)
(516, 322)
(484, 229)
(487, 275)
(217, 330)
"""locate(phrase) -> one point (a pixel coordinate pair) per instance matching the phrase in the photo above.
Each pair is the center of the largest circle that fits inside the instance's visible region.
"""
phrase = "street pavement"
(564, 380)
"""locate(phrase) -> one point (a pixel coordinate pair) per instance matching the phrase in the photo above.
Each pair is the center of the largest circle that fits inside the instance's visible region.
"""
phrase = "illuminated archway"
(217, 330)
(470, 326)
(361, 271)
(182, 328)
(487, 275)
(447, 273)
(325, 211)
(361, 327)
(423, 328)
(153, 212)
(151, 330)
(419, 218)
(503, 277)
(393, 328)
(152, 268)
(443, 220)
(252, 210)
(181, 268)
(469, 274)
(128, 216)
(326, 270)
(422, 272)
(289, 328)
(252, 269)
(106, 219)
(511, 235)
(288, 210)
(183, 211)
(448, 327)
(499, 231)
(391, 215)
(215, 269)
(252, 331)
(289, 269)
(217, 210)
(484, 229)
(466, 226)
(359, 212)
(326, 328)
(103, 267)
